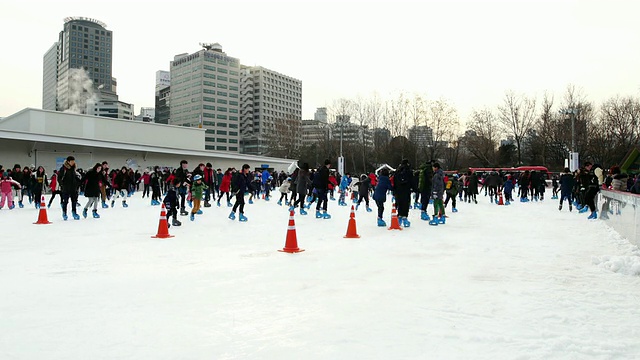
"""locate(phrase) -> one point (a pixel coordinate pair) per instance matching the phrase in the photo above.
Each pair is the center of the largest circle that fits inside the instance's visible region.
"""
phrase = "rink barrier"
(621, 211)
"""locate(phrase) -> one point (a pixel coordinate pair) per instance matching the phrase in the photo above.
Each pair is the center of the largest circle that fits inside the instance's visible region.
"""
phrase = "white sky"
(469, 52)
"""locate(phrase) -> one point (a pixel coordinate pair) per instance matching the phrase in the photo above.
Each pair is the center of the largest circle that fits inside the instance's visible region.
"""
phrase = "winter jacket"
(241, 182)
(321, 179)
(344, 183)
(619, 182)
(225, 184)
(567, 182)
(92, 183)
(121, 182)
(508, 186)
(364, 186)
(68, 178)
(453, 187)
(5, 185)
(437, 184)
(197, 190)
(284, 188)
(384, 185)
(302, 181)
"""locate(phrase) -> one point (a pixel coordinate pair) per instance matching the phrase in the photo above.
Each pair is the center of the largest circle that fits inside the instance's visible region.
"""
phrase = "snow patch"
(626, 265)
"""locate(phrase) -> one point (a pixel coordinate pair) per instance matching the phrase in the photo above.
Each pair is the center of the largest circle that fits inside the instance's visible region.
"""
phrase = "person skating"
(424, 184)
(451, 190)
(380, 194)
(197, 190)
(92, 191)
(284, 190)
(302, 183)
(241, 183)
(363, 191)
(40, 182)
(121, 187)
(437, 192)
(402, 187)
(321, 186)
(69, 181)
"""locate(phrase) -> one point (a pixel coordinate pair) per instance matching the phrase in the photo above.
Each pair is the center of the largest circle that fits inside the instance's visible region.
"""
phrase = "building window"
(221, 117)
(221, 132)
(233, 148)
(222, 140)
(221, 124)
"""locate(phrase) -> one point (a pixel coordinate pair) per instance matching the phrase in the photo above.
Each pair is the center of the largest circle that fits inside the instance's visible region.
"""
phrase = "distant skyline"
(468, 52)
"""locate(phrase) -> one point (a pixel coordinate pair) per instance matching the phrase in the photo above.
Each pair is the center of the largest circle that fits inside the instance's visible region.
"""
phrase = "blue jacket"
(384, 185)
(344, 182)
(508, 186)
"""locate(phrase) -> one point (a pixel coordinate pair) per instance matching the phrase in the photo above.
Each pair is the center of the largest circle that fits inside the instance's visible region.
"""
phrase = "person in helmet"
(197, 190)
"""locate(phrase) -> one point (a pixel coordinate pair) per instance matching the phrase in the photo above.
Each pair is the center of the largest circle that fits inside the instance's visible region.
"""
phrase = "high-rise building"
(271, 106)
(50, 78)
(163, 83)
(421, 136)
(320, 114)
(86, 44)
(205, 91)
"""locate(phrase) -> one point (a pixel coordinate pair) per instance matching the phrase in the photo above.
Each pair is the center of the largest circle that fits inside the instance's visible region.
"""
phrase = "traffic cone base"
(42, 215)
(291, 244)
(395, 224)
(163, 226)
(500, 202)
(352, 233)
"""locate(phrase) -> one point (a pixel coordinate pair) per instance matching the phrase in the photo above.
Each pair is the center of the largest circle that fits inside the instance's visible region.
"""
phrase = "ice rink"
(523, 281)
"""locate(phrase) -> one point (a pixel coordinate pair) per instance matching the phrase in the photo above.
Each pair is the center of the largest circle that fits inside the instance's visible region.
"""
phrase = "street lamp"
(574, 163)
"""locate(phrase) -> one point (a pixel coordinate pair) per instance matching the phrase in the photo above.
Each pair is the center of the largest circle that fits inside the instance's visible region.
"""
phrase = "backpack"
(448, 184)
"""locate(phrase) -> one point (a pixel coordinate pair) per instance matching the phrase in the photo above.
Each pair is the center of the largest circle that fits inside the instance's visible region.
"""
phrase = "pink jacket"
(5, 185)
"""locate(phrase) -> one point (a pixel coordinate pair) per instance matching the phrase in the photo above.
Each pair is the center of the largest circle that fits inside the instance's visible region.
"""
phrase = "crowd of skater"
(301, 187)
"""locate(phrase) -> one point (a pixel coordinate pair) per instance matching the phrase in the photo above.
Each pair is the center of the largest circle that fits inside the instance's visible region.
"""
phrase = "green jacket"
(197, 190)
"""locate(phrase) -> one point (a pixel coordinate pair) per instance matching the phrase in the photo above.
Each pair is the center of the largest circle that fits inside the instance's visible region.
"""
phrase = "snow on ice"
(523, 281)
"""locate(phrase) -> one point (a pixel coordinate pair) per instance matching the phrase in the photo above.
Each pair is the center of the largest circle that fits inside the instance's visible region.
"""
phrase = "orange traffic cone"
(163, 226)
(42, 216)
(500, 201)
(395, 224)
(291, 245)
(352, 233)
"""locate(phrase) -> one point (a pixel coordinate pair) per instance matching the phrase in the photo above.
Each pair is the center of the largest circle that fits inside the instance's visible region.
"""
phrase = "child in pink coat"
(6, 191)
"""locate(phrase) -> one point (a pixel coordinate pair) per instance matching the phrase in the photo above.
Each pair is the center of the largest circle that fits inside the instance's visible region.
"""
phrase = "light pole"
(573, 154)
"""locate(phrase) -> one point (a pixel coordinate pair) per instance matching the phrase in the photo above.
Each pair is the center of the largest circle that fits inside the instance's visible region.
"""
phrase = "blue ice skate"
(326, 216)
(279, 202)
(76, 216)
(594, 215)
(84, 213)
(303, 212)
(291, 208)
(405, 222)
(218, 203)
(113, 203)
(318, 214)
(424, 216)
(232, 216)
(64, 216)
(124, 204)
(95, 214)
(309, 198)
(454, 210)
(507, 202)
(381, 222)
(369, 209)
(104, 205)
(20, 204)
(434, 221)
(584, 209)
(250, 201)
(190, 203)
(357, 206)
(242, 218)
(441, 219)
(199, 212)
(192, 216)
(229, 204)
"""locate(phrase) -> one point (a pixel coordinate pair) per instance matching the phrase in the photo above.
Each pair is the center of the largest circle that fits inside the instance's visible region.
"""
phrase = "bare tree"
(443, 120)
(517, 117)
(284, 137)
(482, 140)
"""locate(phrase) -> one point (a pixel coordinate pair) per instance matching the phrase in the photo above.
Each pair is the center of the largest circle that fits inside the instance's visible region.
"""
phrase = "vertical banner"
(574, 161)
(341, 165)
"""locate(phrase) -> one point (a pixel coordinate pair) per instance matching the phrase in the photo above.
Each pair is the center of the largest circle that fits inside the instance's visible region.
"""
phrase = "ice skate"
(95, 214)
(232, 216)
(381, 222)
(243, 218)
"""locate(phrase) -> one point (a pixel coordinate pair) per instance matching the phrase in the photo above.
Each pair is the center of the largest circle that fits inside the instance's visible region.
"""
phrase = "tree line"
(521, 130)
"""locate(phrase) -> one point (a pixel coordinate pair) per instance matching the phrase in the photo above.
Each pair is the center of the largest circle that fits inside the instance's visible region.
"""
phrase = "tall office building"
(50, 78)
(163, 83)
(205, 91)
(84, 43)
(276, 102)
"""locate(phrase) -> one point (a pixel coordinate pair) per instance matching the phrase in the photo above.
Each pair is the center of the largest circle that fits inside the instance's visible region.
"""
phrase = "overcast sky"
(469, 52)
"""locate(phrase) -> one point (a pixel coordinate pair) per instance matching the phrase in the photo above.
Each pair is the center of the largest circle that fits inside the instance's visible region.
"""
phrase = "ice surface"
(523, 281)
